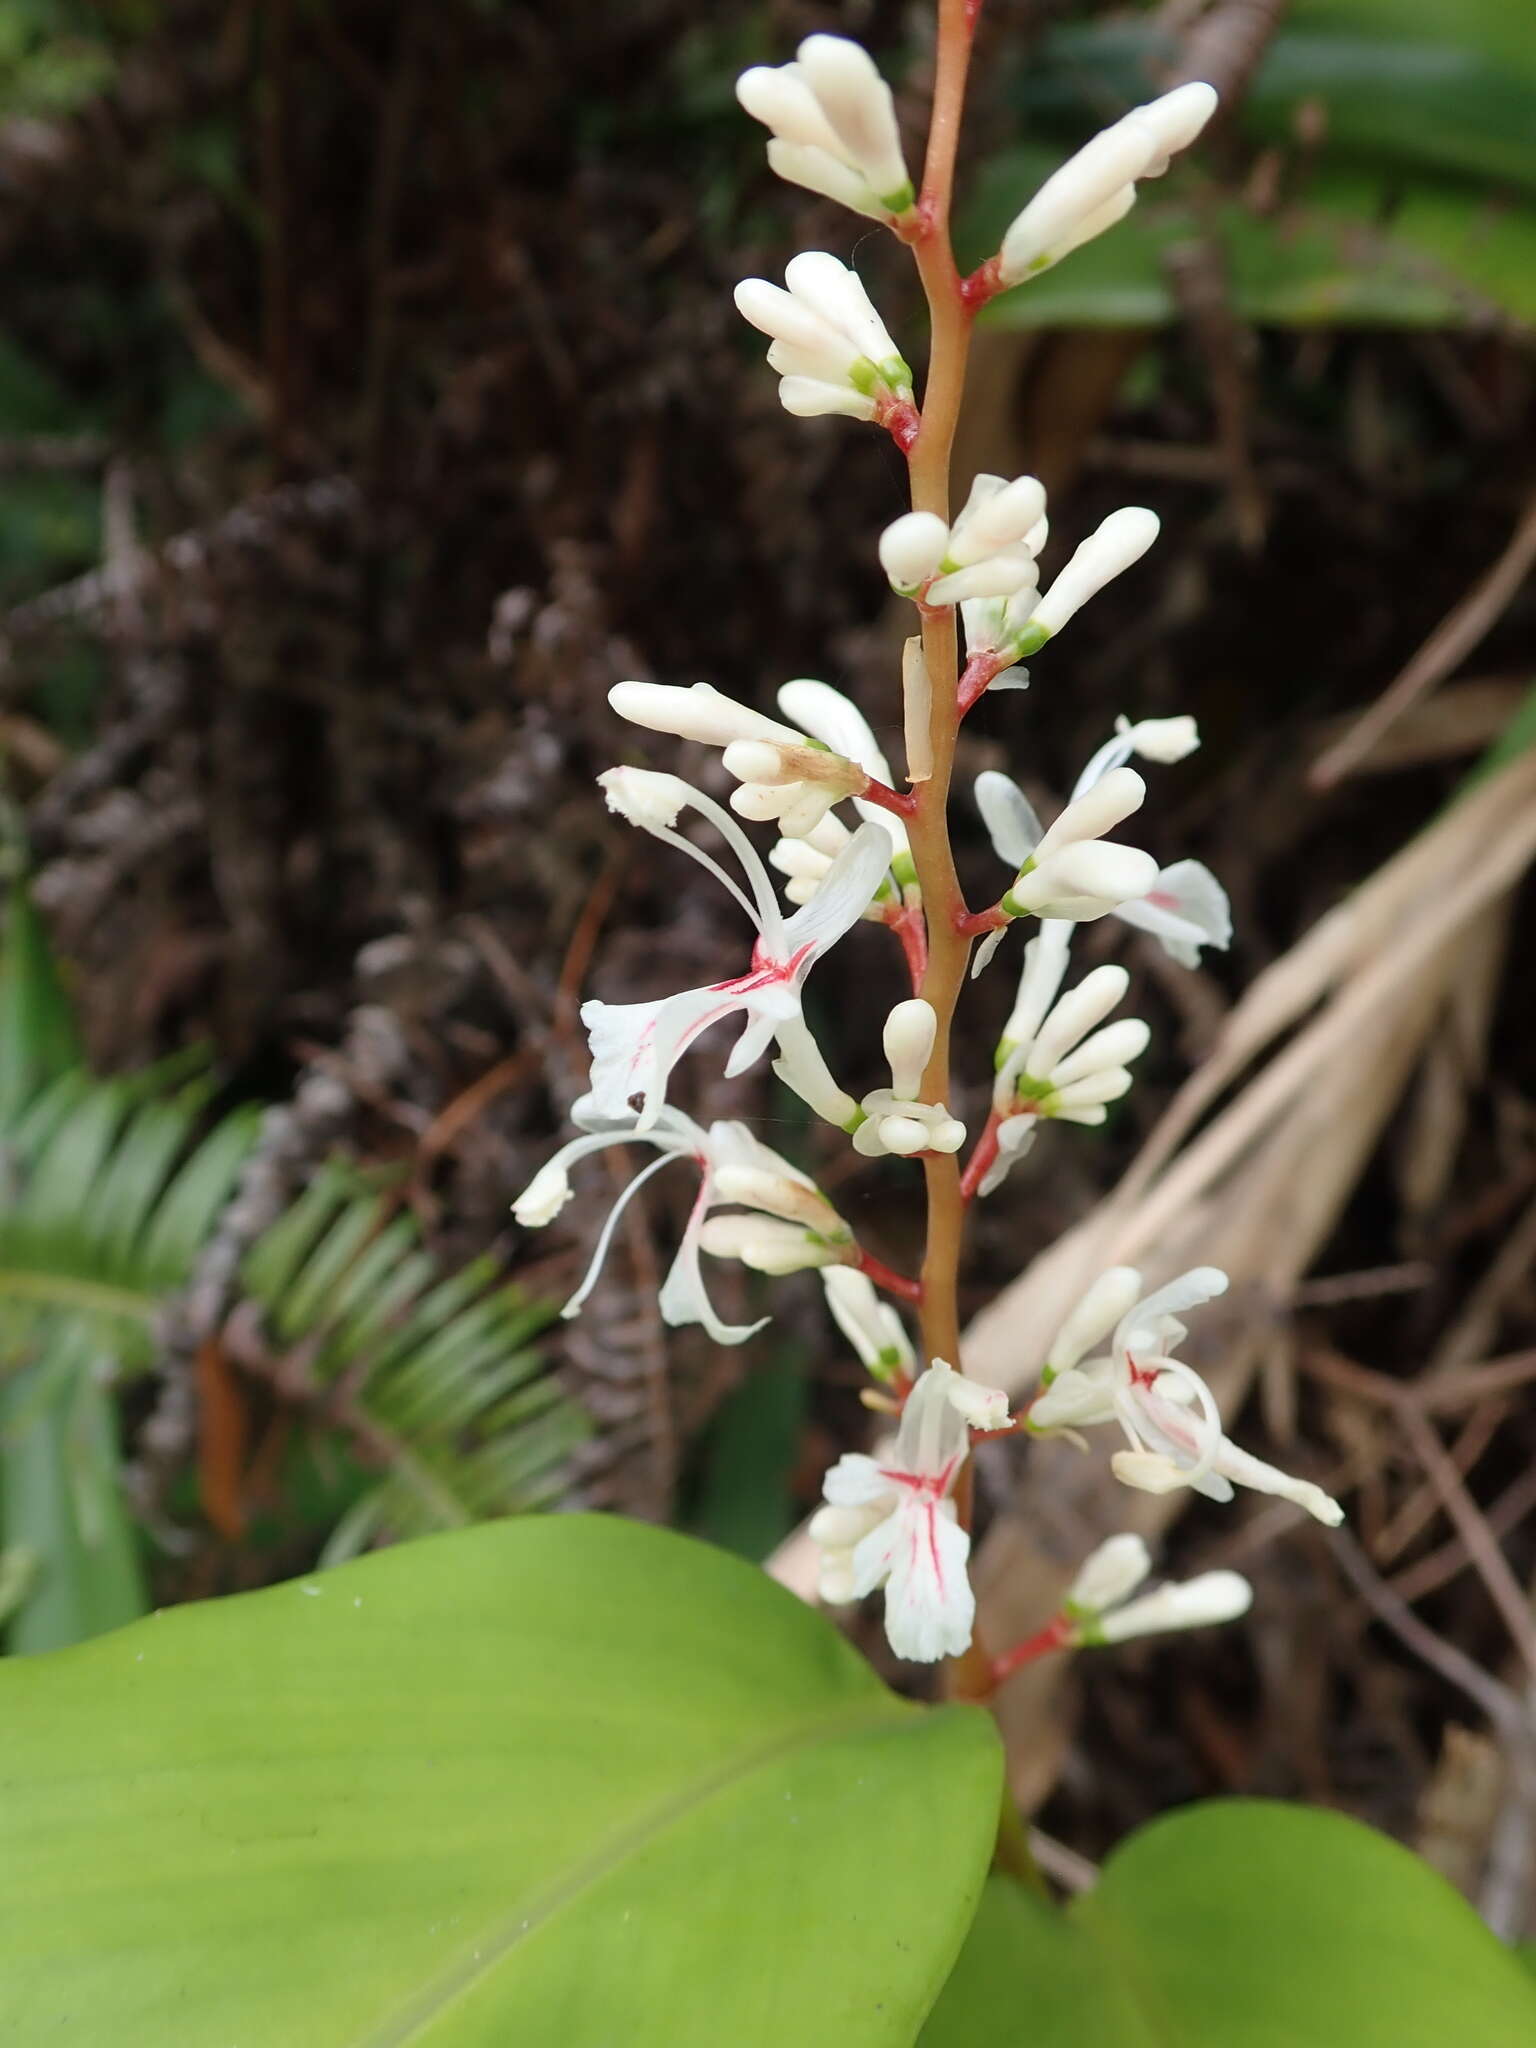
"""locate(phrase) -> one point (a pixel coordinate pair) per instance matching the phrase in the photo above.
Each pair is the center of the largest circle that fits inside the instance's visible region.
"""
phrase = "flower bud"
(778, 1195)
(1076, 1013)
(700, 713)
(807, 398)
(1111, 1297)
(1095, 188)
(839, 1528)
(1113, 798)
(871, 1325)
(1082, 882)
(1110, 1575)
(911, 549)
(1213, 1597)
(1123, 538)
(766, 1244)
(904, 1135)
(1104, 1084)
(1115, 1046)
(909, 1033)
(996, 515)
(1008, 573)
(857, 104)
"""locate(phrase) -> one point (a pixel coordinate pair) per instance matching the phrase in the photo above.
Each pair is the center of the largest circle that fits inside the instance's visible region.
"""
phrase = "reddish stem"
(909, 926)
(981, 671)
(983, 1154)
(893, 1282)
(902, 421)
(1056, 1635)
(974, 922)
(903, 802)
(984, 282)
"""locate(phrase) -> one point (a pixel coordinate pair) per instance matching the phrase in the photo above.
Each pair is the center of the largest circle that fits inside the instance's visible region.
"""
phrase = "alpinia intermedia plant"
(901, 1518)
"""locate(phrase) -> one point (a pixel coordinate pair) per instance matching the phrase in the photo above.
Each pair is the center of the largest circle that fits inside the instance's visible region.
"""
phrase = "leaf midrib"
(410, 2024)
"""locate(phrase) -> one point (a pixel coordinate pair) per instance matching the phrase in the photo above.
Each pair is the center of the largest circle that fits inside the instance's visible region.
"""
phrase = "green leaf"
(1240, 1924)
(568, 1781)
(38, 1040)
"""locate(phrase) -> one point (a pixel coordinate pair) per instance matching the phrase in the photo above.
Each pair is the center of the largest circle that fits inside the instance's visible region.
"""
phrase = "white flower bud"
(1113, 1295)
(1123, 538)
(835, 292)
(871, 1325)
(1098, 810)
(644, 796)
(911, 549)
(903, 1135)
(909, 1033)
(543, 1198)
(766, 1244)
(776, 1194)
(997, 515)
(758, 761)
(947, 1135)
(1076, 1013)
(700, 713)
(1164, 739)
(780, 98)
(835, 1582)
(1096, 187)
(817, 171)
(808, 399)
(1110, 1575)
(1009, 573)
(1147, 1471)
(798, 859)
(1213, 1597)
(857, 103)
(1072, 1399)
(1083, 882)
(1115, 1046)
(1105, 1084)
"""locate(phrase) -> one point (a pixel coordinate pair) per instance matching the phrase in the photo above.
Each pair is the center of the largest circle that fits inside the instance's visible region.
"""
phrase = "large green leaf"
(1240, 1924)
(554, 1781)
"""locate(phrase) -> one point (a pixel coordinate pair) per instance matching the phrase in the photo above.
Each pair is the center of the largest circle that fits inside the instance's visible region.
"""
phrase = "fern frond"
(437, 1377)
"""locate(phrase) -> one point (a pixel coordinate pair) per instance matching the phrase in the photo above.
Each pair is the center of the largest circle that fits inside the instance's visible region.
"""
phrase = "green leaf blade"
(564, 1780)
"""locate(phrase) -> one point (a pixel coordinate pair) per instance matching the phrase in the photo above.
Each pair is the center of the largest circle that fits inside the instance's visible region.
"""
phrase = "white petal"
(1073, 1400)
(854, 1482)
(857, 102)
(1186, 908)
(932, 1440)
(997, 516)
(1107, 1300)
(809, 399)
(1098, 810)
(1123, 538)
(929, 1606)
(780, 98)
(1074, 1016)
(911, 549)
(1012, 823)
(700, 713)
(1045, 966)
(684, 1299)
(818, 171)
(845, 894)
(1015, 1135)
(1143, 1327)
(1115, 1046)
(836, 292)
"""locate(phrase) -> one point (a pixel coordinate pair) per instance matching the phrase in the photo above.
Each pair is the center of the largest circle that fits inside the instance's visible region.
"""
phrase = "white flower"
(636, 1045)
(1166, 1410)
(895, 1119)
(891, 1522)
(733, 1166)
(827, 342)
(1186, 907)
(871, 1325)
(833, 125)
(1097, 187)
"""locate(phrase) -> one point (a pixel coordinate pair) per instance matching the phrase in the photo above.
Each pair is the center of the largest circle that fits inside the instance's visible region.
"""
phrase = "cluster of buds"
(989, 552)
(1073, 872)
(826, 341)
(833, 126)
(896, 1119)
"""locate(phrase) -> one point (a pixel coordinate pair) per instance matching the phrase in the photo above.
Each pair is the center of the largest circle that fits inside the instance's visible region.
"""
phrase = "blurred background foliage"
(370, 399)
